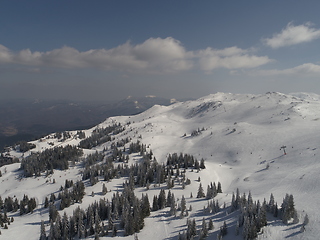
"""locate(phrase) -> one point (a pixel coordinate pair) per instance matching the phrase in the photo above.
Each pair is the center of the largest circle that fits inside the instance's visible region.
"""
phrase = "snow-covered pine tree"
(162, 199)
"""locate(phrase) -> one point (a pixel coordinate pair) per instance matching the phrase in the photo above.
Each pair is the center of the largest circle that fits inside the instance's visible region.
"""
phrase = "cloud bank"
(306, 69)
(155, 55)
(229, 58)
(292, 35)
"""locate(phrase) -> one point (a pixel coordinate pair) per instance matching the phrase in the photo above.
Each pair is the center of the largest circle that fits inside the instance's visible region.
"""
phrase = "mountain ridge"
(241, 137)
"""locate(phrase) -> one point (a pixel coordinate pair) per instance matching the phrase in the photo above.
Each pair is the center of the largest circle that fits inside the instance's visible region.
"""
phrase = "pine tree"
(46, 202)
(57, 227)
(287, 208)
(183, 205)
(275, 212)
(104, 189)
(219, 189)
(81, 227)
(65, 227)
(114, 230)
(233, 203)
(169, 199)
(51, 231)
(237, 228)
(262, 216)
(224, 229)
(162, 199)
(202, 166)
(209, 194)
(204, 230)
(306, 220)
(200, 193)
(53, 212)
(271, 204)
(191, 229)
(42, 231)
(145, 206)
(210, 225)
(155, 205)
(173, 209)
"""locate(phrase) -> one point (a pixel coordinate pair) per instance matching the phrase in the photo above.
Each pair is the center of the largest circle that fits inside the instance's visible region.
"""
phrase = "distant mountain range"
(30, 119)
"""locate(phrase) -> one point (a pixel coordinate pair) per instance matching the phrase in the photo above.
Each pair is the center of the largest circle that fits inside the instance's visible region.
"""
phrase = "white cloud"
(306, 69)
(5, 55)
(292, 35)
(230, 58)
(155, 55)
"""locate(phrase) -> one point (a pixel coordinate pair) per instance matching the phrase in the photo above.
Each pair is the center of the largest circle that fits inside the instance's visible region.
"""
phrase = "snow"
(243, 133)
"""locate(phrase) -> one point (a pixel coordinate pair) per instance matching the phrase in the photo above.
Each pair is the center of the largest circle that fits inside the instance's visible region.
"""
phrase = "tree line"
(49, 159)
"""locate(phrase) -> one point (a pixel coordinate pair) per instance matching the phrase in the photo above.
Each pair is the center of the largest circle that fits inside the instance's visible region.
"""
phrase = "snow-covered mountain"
(260, 144)
(29, 119)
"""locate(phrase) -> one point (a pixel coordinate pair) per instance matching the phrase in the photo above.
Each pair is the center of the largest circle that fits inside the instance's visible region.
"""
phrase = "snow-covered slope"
(241, 137)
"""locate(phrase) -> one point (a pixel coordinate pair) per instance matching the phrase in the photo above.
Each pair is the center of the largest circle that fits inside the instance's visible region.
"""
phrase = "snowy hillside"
(263, 144)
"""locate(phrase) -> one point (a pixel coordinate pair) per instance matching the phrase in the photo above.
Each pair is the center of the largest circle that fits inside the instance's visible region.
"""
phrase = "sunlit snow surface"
(242, 135)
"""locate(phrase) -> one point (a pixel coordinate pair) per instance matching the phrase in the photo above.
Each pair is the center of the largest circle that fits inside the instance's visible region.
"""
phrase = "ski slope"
(241, 139)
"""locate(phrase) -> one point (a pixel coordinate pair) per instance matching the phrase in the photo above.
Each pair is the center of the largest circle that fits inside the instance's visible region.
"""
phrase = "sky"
(107, 50)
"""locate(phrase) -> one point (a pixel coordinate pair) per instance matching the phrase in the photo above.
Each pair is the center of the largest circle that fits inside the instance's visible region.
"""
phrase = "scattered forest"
(124, 214)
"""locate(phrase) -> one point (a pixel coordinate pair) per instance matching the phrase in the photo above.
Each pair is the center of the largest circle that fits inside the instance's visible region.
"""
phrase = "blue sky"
(107, 50)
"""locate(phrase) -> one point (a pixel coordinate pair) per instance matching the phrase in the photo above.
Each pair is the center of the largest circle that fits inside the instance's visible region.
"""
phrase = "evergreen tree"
(262, 216)
(114, 230)
(145, 206)
(46, 202)
(155, 205)
(219, 189)
(275, 213)
(287, 208)
(104, 189)
(200, 193)
(237, 228)
(306, 220)
(53, 212)
(224, 229)
(183, 205)
(191, 229)
(57, 227)
(209, 194)
(202, 166)
(271, 204)
(42, 231)
(204, 230)
(210, 225)
(51, 231)
(81, 227)
(173, 209)
(65, 227)
(162, 199)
